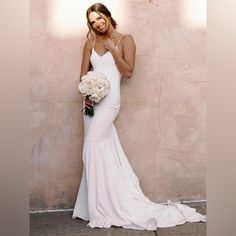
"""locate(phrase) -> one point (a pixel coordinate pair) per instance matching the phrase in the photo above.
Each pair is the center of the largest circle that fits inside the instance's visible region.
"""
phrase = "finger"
(88, 100)
(87, 103)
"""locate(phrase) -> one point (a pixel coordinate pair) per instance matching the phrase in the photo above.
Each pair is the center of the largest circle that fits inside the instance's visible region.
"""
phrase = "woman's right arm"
(86, 65)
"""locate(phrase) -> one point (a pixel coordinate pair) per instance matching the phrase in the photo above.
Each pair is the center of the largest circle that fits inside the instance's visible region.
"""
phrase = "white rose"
(94, 84)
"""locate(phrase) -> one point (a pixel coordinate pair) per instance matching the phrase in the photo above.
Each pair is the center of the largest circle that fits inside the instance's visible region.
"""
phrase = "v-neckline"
(102, 54)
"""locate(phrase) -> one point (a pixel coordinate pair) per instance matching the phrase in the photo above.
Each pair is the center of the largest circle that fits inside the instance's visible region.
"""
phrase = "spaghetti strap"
(119, 40)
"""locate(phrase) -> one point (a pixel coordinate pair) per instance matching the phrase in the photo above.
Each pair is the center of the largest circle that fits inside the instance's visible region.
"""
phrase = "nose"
(98, 24)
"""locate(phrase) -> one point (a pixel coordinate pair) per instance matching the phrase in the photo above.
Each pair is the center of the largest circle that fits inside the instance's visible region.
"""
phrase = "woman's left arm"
(126, 62)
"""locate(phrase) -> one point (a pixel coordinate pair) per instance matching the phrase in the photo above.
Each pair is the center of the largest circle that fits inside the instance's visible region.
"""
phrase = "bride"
(109, 192)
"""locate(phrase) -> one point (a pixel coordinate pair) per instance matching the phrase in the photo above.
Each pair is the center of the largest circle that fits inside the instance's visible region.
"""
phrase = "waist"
(112, 74)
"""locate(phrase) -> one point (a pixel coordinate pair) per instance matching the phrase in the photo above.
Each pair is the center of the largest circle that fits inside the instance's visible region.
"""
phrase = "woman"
(109, 192)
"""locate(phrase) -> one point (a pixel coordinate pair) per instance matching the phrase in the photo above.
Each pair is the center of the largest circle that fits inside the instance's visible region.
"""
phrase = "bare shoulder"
(128, 38)
(128, 43)
(88, 44)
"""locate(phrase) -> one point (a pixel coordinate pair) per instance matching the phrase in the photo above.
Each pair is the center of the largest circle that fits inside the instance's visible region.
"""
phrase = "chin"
(101, 32)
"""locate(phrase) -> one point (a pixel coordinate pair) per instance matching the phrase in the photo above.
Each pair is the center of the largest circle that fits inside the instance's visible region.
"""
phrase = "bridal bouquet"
(94, 86)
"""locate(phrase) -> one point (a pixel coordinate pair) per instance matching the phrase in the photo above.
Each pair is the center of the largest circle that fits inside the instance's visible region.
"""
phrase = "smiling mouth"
(101, 27)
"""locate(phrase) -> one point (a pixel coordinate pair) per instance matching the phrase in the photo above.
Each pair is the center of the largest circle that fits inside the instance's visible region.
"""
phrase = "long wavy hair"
(98, 8)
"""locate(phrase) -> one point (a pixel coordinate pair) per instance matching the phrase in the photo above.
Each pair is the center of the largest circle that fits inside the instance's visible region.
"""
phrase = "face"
(99, 22)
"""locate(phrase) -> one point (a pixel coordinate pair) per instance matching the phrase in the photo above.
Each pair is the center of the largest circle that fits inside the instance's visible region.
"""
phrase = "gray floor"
(60, 223)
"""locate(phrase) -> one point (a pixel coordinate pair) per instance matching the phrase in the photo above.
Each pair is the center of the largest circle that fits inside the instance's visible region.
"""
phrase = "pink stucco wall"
(162, 122)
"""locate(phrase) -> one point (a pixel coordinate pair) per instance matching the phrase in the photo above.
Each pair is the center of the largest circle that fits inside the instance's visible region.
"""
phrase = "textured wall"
(162, 122)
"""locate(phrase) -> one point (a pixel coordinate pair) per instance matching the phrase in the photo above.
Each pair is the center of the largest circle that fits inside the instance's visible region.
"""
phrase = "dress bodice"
(106, 65)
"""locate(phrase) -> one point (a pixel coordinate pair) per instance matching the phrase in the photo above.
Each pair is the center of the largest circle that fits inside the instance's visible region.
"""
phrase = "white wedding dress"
(109, 192)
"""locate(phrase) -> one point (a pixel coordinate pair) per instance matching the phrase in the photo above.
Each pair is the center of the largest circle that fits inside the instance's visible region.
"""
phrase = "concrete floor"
(61, 223)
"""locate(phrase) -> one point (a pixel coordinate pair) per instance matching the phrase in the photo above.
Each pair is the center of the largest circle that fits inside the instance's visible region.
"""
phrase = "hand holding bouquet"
(93, 86)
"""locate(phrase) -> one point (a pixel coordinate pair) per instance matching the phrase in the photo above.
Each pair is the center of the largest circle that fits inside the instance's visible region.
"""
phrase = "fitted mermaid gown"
(109, 192)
